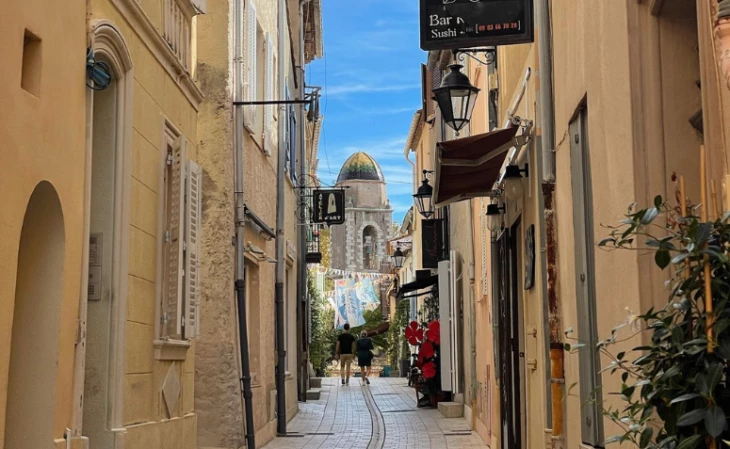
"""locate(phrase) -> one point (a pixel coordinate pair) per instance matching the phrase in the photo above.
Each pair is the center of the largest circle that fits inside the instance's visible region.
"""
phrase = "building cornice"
(137, 18)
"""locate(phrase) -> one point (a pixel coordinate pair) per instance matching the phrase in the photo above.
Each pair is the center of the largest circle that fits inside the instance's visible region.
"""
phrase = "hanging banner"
(454, 24)
(353, 296)
(328, 206)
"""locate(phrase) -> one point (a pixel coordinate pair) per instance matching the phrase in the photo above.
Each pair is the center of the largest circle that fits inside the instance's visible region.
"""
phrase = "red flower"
(427, 350)
(414, 334)
(429, 370)
(433, 333)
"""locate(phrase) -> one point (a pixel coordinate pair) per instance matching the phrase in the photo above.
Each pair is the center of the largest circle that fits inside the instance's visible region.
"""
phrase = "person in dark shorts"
(365, 356)
(345, 346)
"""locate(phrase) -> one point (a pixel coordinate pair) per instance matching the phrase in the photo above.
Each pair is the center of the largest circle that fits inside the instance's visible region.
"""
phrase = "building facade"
(620, 120)
(42, 221)
(277, 40)
(361, 243)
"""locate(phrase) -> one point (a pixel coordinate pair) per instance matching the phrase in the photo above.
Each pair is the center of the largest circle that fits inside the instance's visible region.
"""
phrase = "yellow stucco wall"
(43, 139)
(156, 97)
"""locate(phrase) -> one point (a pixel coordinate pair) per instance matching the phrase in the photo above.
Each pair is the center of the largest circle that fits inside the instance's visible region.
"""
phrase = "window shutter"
(249, 84)
(268, 96)
(192, 251)
(293, 145)
(174, 237)
(200, 5)
(425, 92)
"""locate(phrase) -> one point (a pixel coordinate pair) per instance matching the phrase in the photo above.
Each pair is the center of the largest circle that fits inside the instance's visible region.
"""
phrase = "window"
(180, 200)
(269, 94)
(291, 140)
(30, 79)
(369, 248)
(590, 380)
(176, 31)
(250, 84)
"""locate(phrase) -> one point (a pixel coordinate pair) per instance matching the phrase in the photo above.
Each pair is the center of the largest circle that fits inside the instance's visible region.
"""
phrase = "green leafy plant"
(674, 392)
(396, 338)
(373, 320)
(321, 349)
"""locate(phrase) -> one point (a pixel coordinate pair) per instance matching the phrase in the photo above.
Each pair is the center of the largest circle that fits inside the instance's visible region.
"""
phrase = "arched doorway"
(36, 323)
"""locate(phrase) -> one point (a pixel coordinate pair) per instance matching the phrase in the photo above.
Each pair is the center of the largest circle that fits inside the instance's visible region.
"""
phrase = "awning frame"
(513, 149)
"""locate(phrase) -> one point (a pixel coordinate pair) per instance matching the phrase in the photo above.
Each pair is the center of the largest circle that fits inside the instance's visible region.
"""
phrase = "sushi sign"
(329, 206)
(454, 24)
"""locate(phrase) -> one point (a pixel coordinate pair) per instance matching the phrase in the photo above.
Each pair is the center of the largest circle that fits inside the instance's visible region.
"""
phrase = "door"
(509, 339)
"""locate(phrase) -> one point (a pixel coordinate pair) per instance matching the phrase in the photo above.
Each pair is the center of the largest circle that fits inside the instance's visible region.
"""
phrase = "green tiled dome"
(360, 167)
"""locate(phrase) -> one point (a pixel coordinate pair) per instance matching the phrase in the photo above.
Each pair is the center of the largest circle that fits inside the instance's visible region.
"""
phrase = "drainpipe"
(240, 284)
(280, 237)
(548, 230)
(302, 293)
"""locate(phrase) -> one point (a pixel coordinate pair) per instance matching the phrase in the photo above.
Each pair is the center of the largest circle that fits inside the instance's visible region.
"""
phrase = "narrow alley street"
(381, 416)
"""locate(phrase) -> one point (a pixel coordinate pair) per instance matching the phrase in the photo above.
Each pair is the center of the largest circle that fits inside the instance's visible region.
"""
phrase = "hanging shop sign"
(431, 243)
(453, 24)
(329, 206)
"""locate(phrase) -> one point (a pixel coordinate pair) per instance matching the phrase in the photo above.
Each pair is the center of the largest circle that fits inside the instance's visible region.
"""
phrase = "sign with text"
(431, 242)
(329, 206)
(453, 24)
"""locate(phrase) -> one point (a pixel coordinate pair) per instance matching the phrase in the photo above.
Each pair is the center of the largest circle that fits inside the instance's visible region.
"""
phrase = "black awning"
(418, 284)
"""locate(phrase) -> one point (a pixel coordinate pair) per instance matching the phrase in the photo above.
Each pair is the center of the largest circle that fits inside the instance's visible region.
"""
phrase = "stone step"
(315, 382)
(451, 409)
(313, 394)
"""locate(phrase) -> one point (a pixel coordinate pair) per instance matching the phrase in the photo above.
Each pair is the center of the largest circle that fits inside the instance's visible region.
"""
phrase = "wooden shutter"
(249, 84)
(191, 312)
(201, 6)
(269, 109)
(588, 360)
(426, 93)
(174, 237)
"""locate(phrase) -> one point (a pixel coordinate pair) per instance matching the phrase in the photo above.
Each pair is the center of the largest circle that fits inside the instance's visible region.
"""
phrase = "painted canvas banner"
(354, 295)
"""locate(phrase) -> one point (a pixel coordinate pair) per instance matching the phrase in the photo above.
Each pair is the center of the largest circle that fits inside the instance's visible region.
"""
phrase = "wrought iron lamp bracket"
(489, 54)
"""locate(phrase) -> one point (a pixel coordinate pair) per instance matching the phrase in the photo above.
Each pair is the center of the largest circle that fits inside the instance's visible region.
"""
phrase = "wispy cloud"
(345, 89)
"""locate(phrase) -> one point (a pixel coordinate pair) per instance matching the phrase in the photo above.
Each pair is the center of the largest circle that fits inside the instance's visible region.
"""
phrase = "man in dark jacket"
(344, 350)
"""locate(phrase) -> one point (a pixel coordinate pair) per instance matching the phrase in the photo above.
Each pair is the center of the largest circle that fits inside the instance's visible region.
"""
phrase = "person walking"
(365, 356)
(345, 346)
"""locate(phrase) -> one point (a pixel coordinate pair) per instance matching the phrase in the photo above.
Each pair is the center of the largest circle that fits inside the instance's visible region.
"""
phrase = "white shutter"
(269, 109)
(174, 237)
(193, 198)
(200, 5)
(249, 83)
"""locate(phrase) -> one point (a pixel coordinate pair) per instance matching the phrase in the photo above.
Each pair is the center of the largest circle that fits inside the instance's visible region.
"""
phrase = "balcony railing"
(176, 31)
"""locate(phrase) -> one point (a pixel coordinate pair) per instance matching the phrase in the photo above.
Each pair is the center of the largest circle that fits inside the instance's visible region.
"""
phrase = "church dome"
(360, 167)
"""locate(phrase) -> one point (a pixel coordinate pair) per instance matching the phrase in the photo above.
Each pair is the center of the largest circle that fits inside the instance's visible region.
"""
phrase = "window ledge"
(171, 349)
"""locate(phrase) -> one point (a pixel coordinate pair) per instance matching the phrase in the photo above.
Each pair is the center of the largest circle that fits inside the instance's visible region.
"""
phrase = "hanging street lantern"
(456, 98)
(398, 258)
(424, 197)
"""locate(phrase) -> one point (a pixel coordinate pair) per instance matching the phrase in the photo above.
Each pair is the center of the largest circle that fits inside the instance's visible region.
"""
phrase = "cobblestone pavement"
(345, 416)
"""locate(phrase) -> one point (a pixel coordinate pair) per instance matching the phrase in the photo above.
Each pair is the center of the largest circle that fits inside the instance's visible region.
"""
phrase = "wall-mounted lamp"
(398, 258)
(494, 217)
(513, 190)
(456, 98)
(424, 197)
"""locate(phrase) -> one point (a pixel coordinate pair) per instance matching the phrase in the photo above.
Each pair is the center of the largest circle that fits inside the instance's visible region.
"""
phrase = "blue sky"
(370, 76)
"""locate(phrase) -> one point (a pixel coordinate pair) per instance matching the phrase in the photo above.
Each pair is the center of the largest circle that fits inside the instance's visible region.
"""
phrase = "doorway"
(36, 322)
(108, 203)
(509, 337)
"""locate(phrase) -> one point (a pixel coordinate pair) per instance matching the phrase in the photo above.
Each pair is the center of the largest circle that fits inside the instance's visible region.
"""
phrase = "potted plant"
(675, 389)
(722, 38)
